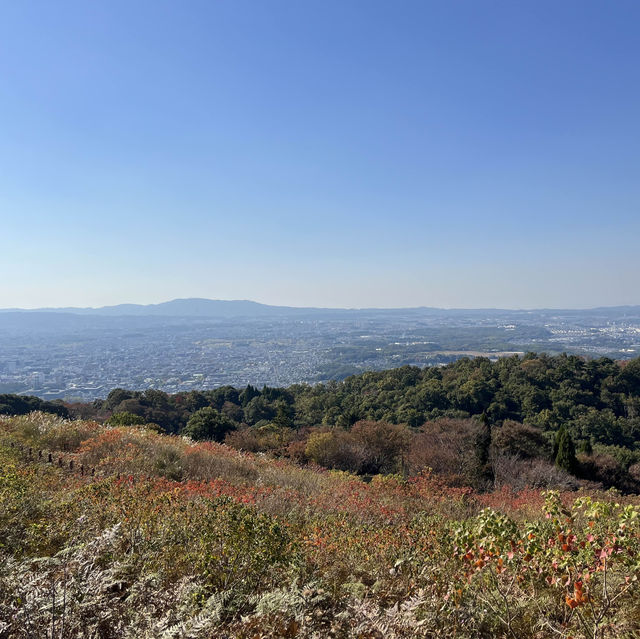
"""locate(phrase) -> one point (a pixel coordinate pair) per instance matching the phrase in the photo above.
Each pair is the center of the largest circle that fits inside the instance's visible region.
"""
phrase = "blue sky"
(334, 153)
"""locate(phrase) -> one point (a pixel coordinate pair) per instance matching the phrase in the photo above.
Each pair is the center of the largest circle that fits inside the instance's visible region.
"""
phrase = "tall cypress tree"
(483, 449)
(566, 451)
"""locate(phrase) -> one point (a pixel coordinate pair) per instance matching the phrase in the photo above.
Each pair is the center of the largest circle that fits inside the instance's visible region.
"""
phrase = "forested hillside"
(479, 421)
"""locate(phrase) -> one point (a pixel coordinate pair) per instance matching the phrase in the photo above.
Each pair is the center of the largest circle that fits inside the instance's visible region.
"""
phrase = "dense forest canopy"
(598, 399)
(23, 404)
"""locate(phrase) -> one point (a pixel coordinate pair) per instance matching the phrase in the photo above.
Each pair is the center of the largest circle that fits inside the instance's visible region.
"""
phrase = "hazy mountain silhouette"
(201, 307)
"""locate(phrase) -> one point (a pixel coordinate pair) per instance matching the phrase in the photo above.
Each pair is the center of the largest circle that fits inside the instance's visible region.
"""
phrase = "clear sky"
(328, 153)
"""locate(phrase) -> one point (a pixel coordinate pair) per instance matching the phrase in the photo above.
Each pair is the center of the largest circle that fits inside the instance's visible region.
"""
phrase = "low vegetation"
(129, 532)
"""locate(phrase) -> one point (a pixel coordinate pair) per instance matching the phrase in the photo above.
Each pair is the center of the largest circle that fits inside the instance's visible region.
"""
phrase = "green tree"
(118, 395)
(125, 418)
(483, 449)
(566, 451)
(284, 415)
(259, 409)
(208, 423)
(248, 394)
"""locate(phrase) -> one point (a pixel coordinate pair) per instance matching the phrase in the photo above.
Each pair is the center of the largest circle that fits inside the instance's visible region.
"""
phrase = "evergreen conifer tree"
(566, 451)
(483, 449)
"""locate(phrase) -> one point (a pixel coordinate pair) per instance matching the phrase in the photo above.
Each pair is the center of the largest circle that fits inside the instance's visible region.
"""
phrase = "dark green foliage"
(630, 377)
(125, 419)
(219, 396)
(259, 409)
(152, 406)
(284, 415)
(208, 423)
(248, 394)
(276, 394)
(192, 401)
(116, 396)
(483, 449)
(566, 452)
(24, 404)
(347, 419)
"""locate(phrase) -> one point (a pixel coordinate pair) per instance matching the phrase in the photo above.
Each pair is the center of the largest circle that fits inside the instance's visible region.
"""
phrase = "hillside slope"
(127, 532)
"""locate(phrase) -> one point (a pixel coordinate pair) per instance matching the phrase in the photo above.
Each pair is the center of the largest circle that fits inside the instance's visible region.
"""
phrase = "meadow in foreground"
(130, 533)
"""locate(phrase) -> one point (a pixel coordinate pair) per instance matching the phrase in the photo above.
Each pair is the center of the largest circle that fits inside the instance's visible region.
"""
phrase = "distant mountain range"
(191, 307)
(201, 307)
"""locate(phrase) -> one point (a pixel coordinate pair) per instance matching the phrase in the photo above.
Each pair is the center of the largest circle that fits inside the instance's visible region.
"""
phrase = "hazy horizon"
(332, 154)
(315, 306)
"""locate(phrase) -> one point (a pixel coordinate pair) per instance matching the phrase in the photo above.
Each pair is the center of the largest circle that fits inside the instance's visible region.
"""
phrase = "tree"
(483, 449)
(284, 415)
(566, 451)
(208, 423)
(258, 409)
(193, 401)
(125, 419)
(248, 394)
(117, 396)
(630, 376)
(521, 440)
(23, 404)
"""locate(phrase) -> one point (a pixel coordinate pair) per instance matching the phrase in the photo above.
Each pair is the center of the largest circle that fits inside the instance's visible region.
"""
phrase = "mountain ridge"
(204, 307)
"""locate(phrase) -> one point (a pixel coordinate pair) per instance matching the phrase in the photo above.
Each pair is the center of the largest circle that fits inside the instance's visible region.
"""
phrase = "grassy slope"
(174, 539)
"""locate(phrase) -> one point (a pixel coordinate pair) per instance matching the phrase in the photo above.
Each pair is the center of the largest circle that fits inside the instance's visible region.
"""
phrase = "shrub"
(207, 460)
(607, 469)
(520, 440)
(336, 448)
(267, 438)
(68, 436)
(236, 548)
(383, 444)
(20, 502)
(519, 474)
(446, 446)
(250, 546)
